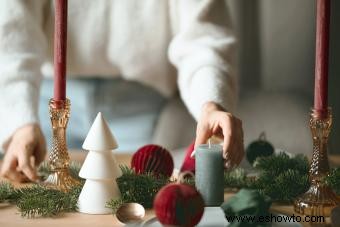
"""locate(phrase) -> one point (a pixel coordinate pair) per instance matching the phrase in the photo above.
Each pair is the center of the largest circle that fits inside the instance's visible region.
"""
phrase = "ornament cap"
(100, 138)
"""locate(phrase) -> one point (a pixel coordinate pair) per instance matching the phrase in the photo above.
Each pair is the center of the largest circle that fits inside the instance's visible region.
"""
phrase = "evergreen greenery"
(236, 179)
(6, 191)
(41, 201)
(140, 188)
(280, 177)
(333, 180)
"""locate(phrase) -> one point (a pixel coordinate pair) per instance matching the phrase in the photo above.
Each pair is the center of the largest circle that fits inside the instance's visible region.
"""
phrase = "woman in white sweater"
(167, 45)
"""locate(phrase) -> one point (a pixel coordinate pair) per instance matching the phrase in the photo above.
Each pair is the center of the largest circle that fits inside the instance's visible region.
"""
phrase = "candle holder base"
(60, 180)
(319, 200)
(59, 159)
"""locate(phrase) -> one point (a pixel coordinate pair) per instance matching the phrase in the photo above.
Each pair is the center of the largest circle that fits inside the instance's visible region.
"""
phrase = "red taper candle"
(60, 41)
(321, 56)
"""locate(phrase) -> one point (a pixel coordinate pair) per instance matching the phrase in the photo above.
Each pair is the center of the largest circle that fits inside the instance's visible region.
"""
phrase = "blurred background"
(276, 52)
(276, 68)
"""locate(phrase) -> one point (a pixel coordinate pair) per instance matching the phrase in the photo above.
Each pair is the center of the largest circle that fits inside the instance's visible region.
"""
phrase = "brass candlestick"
(319, 199)
(59, 159)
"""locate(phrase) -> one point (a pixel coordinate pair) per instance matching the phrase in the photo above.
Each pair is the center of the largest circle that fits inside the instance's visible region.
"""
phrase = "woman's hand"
(25, 151)
(215, 121)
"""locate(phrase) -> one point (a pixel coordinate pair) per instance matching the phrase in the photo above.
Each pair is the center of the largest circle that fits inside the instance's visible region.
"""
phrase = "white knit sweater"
(164, 44)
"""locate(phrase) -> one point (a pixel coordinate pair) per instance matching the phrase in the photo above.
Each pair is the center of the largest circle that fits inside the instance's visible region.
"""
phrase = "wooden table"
(10, 217)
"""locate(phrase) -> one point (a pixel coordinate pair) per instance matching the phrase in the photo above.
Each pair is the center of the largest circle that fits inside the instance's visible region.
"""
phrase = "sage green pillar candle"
(209, 176)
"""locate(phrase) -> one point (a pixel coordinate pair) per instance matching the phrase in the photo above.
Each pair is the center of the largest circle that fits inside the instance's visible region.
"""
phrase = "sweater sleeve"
(22, 49)
(202, 50)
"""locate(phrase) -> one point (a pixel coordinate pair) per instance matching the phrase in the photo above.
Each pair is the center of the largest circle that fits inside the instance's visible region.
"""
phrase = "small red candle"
(60, 41)
(321, 56)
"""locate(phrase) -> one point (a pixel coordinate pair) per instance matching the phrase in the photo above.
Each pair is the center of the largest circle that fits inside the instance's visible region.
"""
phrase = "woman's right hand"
(26, 150)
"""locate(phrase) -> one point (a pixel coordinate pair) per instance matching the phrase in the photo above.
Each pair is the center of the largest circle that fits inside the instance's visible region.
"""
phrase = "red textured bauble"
(179, 205)
(153, 159)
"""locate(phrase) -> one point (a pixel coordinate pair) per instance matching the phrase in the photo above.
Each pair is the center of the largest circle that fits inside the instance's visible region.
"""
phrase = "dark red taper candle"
(321, 56)
(60, 41)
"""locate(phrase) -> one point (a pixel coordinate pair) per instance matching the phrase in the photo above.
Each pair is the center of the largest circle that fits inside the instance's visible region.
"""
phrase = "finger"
(228, 138)
(40, 153)
(8, 169)
(227, 165)
(26, 167)
(202, 136)
(15, 176)
(25, 164)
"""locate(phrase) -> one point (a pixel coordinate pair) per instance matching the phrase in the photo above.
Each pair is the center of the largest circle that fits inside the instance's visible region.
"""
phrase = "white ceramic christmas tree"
(100, 169)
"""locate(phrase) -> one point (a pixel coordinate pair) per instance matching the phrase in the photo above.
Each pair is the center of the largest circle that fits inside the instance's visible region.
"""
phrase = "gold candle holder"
(319, 199)
(59, 159)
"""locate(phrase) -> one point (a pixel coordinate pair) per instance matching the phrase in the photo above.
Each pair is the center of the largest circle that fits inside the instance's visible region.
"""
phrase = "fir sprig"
(285, 187)
(236, 179)
(6, 191)
(114, 204)
(140, 188)
(37, 200)
(276, 164)
(282, 178)
(333, 180)
(40, 201)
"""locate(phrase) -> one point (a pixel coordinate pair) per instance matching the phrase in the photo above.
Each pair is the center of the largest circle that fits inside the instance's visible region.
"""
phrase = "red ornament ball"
(153, 159)
(179, 205)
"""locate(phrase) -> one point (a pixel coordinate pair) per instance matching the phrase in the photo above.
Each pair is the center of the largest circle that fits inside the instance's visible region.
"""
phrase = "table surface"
(10, 217)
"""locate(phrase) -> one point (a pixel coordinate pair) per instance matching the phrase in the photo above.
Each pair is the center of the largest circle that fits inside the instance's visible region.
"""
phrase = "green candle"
(209, 173)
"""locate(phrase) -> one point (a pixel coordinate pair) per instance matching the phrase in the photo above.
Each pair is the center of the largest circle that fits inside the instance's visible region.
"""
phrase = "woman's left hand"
(215, 121)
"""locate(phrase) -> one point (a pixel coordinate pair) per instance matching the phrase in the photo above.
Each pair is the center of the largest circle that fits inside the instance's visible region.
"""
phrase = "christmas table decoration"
(209, 173)
(320, 199)
(179, 204)
(59, 106)
(273, 181)
(189, 162)
(153, 159)
(137, 188)
(247, 203)
(259, 148)
(99, 169)
(39, 200)
(280, 177)
(130, 213)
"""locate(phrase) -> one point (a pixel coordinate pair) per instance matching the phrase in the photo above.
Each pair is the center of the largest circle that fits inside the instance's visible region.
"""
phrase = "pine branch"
(38, 201)
(283, 188)
(114, 204)
(333, 181)
(276, 164)
(282, 178)
(140, 188)
(236, 178)
(6, 191)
